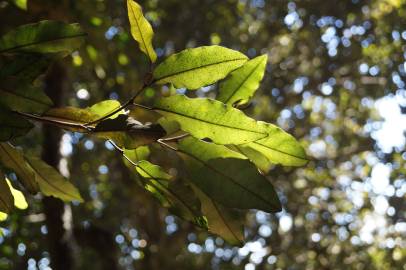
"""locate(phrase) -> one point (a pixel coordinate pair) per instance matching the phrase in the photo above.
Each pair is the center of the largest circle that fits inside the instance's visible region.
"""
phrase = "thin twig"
(125, 105)
(55, 122)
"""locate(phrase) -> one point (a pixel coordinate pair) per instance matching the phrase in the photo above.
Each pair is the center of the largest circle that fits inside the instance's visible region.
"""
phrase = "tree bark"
(59, 248)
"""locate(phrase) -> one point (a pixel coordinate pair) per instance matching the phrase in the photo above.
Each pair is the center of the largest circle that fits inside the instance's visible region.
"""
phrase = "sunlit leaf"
(197, 67)
(12, 125)
(242, 83)
(227, 176)
(141, 29)
(23, 97)
(19, 199)
(51, 182)
(43, 37)
(13, 159)
(206, 118)
(254, 156)
(279, 147)
(105, 107)
(20, 3)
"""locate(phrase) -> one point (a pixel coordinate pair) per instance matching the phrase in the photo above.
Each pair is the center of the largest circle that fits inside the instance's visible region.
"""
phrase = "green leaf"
(13, 159)
(225, 222)
(228, 177)
(127, 132)
(254, 156)
(141, 29)
(19, 198)
(51, 182)
(197, 67)
(69, 118)
(20, 4)
(279, 147)
(43, 37)
(175, 195)
(105, 107)
(21, 96)
(6, 198)
(138, 154)
(207, 118)
(26, 67)
(242, 83)
(12, 125)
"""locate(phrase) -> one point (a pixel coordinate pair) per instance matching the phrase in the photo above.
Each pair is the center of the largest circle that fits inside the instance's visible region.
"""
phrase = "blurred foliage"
(335, 79)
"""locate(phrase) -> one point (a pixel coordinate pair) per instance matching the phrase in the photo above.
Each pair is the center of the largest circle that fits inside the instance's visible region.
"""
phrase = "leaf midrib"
(242, 83)
(199, 67)
(280, 151)
(139, 30)
(168, 190)
(231, 179)
(224, 221)
(16, 163)
(212, 123)
(30, 99)
(49, 183)
(42, 41)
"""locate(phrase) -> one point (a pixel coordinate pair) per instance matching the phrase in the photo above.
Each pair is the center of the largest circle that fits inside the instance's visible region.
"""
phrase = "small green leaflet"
(207, 118)
(228, 177)
(279, 147)
(43, 37)
(197, 67)
(242, 83)
(141, 29)
(12, 125)
(6, 198)
(51, 182)
(13, 159)
(20, 96)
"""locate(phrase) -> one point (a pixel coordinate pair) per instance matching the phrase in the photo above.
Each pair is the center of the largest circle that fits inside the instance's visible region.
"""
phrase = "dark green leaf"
(12, 125)
(51, 182)
(26, 67)
(175, 195)
(21, 96)
(13, 159)
(228, 177)
(6, 198)
(197, 67)
(43, 37)
(225, 222)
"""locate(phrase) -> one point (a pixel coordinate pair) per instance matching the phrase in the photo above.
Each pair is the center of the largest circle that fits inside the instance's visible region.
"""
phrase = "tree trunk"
(58, 243)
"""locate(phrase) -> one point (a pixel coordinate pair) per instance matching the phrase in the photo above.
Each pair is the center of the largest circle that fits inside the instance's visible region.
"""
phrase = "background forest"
(335, 80)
